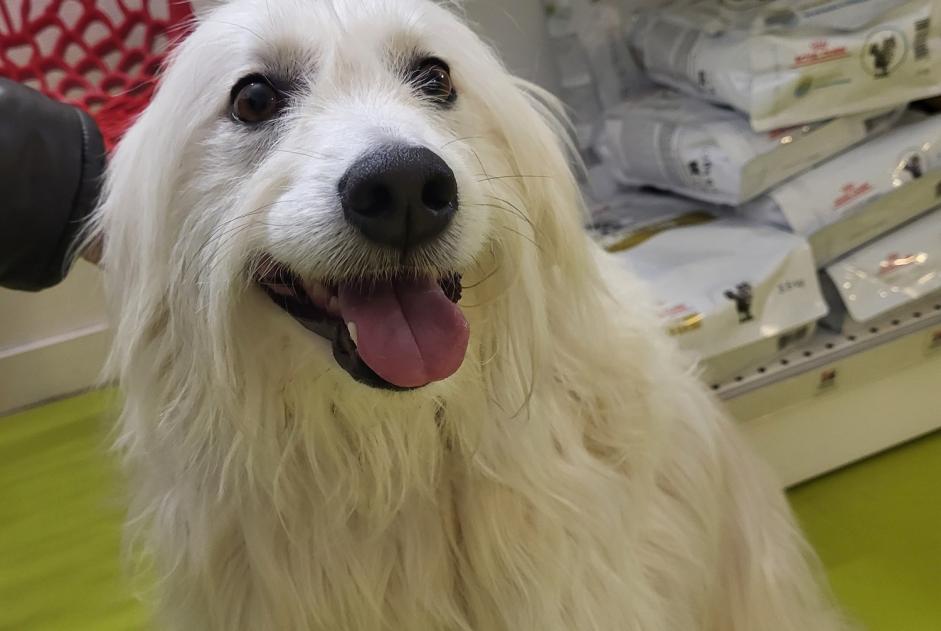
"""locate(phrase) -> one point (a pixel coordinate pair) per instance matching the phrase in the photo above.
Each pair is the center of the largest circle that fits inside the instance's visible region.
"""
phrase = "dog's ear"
(202, 7)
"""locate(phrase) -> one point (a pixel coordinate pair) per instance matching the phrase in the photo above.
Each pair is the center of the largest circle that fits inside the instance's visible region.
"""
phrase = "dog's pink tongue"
(408, 332)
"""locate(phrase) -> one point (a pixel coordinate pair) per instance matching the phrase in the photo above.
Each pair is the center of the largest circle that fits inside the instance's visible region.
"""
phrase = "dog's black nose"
(400, 196)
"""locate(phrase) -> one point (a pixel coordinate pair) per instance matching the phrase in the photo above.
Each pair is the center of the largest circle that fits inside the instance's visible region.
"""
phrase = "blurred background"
(772, 168)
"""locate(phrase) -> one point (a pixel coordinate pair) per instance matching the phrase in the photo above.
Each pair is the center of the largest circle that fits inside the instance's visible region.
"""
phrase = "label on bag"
(861, 194)
(721, 284)
(891, 272)
(787, 63)
(682, 144)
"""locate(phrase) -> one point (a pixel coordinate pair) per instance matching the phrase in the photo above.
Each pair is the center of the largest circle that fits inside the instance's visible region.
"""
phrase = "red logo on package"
(820, 52)
(896, 261)
(850, 193)
(827, 379)
(676, 310)
(936, 340)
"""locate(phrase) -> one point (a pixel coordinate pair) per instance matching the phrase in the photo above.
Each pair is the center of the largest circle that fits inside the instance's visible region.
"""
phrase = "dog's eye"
(254, 100)
(432, 77)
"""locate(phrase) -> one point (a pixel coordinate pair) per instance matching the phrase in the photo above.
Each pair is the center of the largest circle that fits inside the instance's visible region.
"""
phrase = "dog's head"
(335, 170)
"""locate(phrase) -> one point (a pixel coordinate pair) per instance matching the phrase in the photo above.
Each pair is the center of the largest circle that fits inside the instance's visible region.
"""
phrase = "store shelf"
(840, 398)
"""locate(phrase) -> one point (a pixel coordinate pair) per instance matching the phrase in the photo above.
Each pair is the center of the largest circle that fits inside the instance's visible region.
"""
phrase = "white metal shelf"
(839, 398)
(826, 348)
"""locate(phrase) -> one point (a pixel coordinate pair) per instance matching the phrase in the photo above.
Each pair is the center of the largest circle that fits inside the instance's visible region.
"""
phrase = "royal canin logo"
(851, 192)
(820, 52)
(675, 311)
(681, 319)
(896, 261)
(777, 134)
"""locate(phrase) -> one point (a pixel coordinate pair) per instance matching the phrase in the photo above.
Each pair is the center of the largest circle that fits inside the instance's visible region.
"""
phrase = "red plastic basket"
(99, 55)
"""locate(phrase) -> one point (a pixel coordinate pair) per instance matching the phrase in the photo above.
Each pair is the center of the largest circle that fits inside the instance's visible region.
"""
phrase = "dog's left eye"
(254, 100)
(432, 77)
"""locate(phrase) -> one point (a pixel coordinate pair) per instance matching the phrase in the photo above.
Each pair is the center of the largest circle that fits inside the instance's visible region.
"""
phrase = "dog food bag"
(679, 143)
(790, 62)
(890, 273)
(869, 190)
(732, 292)
(839, 321)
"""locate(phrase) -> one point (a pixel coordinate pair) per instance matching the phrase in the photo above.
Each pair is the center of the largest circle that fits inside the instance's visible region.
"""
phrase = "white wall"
(51, 343)
(30, 318)
(54, 343)
(517, 29)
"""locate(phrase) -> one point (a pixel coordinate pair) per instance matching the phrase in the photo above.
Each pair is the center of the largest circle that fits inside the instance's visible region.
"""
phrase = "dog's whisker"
(525, 237)
(219, 231)
(515, 213)
(527, 400)
(312, 156)
(499, 294)
(485, 278)
(491, 178)
(461, 139)
(208, 266)
(516, 208)
(479, 162)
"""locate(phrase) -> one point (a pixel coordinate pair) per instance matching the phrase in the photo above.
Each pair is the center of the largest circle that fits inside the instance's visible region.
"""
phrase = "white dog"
(324, 434)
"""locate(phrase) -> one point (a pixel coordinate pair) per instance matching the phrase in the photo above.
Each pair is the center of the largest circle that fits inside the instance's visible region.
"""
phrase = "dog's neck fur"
(374, 507)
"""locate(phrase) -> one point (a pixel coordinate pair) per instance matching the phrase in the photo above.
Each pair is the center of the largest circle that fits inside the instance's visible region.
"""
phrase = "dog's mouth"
(399, 333)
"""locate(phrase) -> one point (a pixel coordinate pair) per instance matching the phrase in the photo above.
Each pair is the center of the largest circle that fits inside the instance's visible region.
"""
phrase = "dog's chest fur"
(400, 525)
(620, 502)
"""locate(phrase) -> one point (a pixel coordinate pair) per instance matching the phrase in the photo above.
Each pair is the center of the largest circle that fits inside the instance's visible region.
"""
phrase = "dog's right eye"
(254, 100)
(432, 77)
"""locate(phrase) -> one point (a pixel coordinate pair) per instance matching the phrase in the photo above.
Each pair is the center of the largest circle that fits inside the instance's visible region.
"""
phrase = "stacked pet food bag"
(766, 165)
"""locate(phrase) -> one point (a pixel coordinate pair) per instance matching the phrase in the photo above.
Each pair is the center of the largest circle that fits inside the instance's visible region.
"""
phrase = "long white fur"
(573, 474)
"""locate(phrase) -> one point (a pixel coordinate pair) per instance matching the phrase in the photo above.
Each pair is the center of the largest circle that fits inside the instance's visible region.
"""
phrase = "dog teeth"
(318, 293)
(333, 306)
(351, 327)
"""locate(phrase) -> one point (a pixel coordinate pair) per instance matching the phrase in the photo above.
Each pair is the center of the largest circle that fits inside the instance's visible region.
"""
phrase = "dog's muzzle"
(400, 330)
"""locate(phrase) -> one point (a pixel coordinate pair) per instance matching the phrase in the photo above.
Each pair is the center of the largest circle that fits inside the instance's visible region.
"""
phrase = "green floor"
(877, 527)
